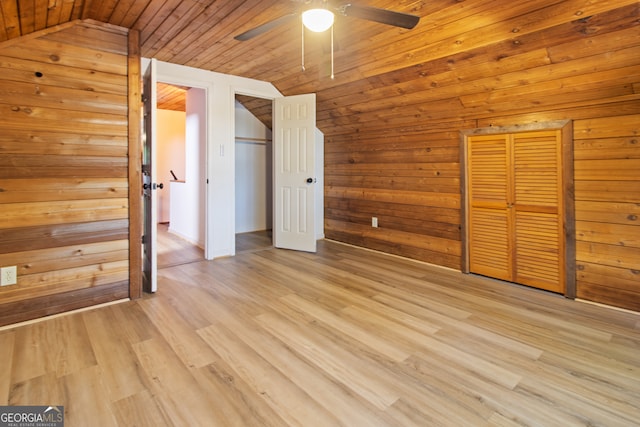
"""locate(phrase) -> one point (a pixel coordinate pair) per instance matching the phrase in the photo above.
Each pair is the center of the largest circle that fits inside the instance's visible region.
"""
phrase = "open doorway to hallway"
(181, 168)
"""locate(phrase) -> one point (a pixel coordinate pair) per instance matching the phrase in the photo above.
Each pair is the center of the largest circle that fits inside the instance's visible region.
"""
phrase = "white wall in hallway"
(187, 216)
(170, 137)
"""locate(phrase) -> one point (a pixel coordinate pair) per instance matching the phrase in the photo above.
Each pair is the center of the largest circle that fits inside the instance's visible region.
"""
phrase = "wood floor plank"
(343, 336)
(7, 339)
(182, 337)
(346, 327)
(61, 346)
(29, 360)
(597, 408)
(387, 328)
(140, 410)
(254, 241)
(468, 328)
(133, 325)
(290, 401)
(74, 351)
(403, 289)
(45, 389)
(505, 401)
(329, 393)
(87, 399)
(174, 250)
(172, 383)
(114, 354)
(236, 403)
(335, 361)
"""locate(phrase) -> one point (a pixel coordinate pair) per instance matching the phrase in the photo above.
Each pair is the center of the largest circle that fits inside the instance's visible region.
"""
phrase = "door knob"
(310, 180)
(153, 186)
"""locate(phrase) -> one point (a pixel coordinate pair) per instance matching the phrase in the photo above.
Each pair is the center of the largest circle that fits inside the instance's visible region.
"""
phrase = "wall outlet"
(374, 221)
(8, 276)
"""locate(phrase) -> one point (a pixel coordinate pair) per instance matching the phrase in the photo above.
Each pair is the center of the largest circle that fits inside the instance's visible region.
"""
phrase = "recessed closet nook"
(519, 222)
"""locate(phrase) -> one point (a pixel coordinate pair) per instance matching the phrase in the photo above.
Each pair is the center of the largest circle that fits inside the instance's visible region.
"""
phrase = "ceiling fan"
(318, 16)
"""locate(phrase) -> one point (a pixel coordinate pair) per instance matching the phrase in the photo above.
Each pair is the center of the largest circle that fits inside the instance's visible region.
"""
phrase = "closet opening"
(518, 205)
(253, 173)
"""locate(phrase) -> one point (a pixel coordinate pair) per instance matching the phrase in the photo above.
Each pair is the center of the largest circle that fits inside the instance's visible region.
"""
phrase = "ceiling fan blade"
(383, 16)
(261, 29)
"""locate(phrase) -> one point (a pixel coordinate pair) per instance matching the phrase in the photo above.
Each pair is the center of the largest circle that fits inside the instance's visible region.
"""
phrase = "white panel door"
(150, 194)
(294, 172)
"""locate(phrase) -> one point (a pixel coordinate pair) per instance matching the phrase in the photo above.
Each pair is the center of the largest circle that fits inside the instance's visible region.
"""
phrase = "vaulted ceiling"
(440, 70)
(200, 33)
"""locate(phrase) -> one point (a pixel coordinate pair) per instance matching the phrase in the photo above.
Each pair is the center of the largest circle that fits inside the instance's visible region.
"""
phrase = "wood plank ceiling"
(368, 56)
(171, 97)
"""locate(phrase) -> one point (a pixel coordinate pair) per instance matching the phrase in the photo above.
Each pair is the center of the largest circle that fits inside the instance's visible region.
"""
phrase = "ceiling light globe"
(317, 20)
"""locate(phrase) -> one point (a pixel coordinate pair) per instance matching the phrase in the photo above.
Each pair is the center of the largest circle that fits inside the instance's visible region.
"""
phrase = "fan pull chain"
(302, 43)
(332, 52)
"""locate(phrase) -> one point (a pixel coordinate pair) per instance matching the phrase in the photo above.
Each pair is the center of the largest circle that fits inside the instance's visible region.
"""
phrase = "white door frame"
(177, 79)
(319, 167)
(220, 150)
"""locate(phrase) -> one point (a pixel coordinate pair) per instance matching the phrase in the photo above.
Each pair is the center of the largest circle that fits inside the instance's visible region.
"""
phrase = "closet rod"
(242, 138)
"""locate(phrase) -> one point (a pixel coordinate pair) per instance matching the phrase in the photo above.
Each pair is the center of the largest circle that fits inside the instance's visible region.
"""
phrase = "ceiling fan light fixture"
(317, 20)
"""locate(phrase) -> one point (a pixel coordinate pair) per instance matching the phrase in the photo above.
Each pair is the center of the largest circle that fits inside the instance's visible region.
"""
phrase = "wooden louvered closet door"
(516, 209)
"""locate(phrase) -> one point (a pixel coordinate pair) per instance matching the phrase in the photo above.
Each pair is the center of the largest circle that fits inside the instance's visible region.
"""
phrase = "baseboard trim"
(64, 313)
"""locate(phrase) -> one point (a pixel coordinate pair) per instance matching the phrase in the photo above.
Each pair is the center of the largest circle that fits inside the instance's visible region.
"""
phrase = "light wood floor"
(342, 337)
(253, 241)
(173, 250)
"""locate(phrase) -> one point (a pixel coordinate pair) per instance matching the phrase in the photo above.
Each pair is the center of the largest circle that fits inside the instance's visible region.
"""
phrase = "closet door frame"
(566, 128)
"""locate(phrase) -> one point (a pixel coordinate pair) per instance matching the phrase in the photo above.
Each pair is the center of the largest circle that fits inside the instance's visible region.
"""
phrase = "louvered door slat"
(536, 169)
(537, 208)
(489, 235)
(490, 240)
(488, 170)
(538, 251)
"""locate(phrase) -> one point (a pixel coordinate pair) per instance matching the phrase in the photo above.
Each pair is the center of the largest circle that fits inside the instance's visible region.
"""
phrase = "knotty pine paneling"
(412, 185)
(64, 193)
(608, 209)
(392, 144)
(17, 239)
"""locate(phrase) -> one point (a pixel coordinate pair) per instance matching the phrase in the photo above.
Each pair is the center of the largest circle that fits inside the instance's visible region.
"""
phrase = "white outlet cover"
(8, 276)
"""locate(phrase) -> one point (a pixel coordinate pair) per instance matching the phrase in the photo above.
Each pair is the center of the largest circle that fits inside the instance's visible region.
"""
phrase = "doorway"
(180, 161)
(219, 180)
(253, 174)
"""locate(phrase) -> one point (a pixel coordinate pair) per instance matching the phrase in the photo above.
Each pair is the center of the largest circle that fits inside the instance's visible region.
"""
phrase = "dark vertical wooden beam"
(464, 209)
(135, 167)
(569, 210)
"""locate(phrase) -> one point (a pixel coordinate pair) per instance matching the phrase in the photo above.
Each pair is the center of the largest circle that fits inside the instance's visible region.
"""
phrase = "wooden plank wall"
(607, 198)
(392, 145)
(64, 169)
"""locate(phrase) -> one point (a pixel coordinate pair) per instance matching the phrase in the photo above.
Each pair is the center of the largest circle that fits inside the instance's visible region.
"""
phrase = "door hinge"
(143, 239)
